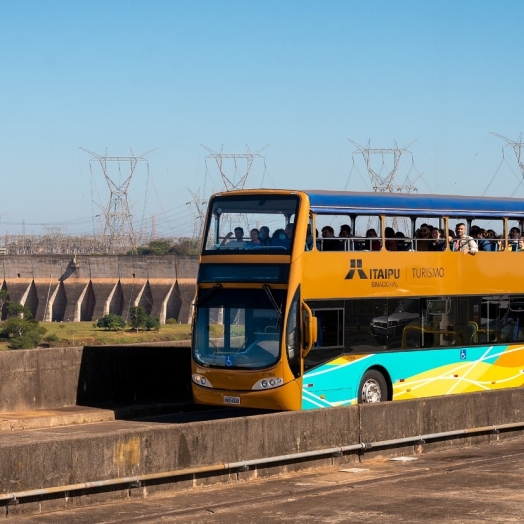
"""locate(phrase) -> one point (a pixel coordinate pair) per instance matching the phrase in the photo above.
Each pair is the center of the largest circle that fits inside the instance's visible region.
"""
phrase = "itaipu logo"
(385, 277)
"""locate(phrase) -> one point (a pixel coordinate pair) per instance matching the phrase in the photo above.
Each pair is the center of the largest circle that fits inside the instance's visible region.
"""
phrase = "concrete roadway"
(474, 484)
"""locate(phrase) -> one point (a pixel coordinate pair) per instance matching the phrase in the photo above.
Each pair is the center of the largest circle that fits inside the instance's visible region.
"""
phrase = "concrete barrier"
(90, 376)
(35, 459)
(50, 378)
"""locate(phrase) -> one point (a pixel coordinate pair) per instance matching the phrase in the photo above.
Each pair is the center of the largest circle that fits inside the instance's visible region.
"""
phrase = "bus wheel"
(373, 388)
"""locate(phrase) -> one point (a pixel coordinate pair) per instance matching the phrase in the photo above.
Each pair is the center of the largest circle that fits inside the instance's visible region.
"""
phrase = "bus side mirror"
(310, 329)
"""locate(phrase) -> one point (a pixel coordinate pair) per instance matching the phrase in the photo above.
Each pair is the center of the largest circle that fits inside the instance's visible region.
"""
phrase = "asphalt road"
(474, 484)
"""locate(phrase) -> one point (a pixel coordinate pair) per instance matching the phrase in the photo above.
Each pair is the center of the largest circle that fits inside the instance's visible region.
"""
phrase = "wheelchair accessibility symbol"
(462, 354)
(229, 361)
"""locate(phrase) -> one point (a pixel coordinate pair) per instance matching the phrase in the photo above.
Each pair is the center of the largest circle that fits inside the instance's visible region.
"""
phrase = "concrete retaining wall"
(48, 378)
(80, 457)
(61, 288)
(59, 377)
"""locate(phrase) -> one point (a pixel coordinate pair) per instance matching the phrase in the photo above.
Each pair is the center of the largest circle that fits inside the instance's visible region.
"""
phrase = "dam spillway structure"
(61, 288)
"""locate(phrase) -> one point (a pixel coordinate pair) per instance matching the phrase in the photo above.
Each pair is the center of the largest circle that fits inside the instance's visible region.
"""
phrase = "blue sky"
(301, 77)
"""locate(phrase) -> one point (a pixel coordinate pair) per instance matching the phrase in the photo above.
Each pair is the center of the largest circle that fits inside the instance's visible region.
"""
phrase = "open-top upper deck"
(414, 204)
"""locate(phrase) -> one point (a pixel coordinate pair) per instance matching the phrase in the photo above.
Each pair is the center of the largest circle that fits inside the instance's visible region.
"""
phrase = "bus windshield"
(250, 223)
(239, 329)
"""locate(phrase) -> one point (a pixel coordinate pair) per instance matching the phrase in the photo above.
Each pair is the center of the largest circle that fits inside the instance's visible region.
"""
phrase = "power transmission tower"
(118, 218)
(386, 183)
(229, 182)
(517, 148)
(200, 213)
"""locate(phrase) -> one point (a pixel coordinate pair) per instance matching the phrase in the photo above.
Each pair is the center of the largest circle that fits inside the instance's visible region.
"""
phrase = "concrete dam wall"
(61, 288)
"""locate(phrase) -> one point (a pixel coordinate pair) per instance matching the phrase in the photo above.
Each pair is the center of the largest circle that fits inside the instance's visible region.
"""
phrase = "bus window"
(388, 328)
(330, 327)
(330, 336)
(239, 329)
(512, 324)
(363, 334)
(232, 221)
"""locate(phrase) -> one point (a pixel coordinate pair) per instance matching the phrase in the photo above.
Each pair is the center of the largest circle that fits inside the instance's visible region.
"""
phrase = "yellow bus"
(309, 299)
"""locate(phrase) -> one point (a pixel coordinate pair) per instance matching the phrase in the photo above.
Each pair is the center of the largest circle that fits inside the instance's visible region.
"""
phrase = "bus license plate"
(231, 400)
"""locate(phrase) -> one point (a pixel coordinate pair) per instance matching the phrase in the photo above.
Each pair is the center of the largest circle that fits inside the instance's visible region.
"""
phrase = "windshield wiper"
(207, 295)
(267, 289)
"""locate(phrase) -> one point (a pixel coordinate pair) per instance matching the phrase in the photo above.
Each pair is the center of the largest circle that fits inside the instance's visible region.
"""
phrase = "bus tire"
(373, 387)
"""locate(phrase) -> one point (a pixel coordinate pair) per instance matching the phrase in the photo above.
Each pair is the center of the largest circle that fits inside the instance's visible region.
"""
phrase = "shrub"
(111, 322)
(171, 321)
(152, 323)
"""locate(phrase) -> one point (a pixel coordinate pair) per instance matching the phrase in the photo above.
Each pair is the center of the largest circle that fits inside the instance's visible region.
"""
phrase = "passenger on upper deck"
(514, 235)
(463, 242)
(402, 245)
(423, 238)
(282, 237)
(329, 243)
(278, 238)
(438, 243)
(345, 231)
(372, 245)
(255, 240)
(239, 239)
(263, 235)
(519, 246)
(391, 243)
(490, 239)
(476, 233)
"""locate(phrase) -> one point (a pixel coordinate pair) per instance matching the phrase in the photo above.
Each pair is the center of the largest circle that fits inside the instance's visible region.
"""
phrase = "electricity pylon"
(386, 184)
(117, 214)
(517, 148)
(229, 183)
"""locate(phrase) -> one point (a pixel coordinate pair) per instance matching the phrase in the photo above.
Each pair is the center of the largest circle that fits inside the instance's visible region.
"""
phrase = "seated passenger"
(402, 245)
(476, 233)
(255, 240)
(239, 239)
(279, 239)
(514, 235)
(263, 235)
(372, 245)
(391, 243)
(519, 246)
(345, 232)
(423, 238)
(438, 243)
(329, 243)
(490, 240)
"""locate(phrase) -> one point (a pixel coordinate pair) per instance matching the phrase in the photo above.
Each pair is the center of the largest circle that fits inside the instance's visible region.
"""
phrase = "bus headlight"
(201, 380)
(267, 383)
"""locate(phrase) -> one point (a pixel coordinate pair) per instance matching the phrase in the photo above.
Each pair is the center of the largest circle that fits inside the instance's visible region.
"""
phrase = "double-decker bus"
(310, 317)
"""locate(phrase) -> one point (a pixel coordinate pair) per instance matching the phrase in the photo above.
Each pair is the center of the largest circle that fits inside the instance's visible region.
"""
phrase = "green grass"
(85, 334)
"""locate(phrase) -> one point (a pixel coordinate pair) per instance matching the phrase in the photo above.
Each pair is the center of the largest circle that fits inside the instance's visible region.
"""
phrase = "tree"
(152, 323)
(186, 246)
(22, 333)
(137, 317)
(17, 310)
(111, 322)
(155, 247)
(4, 297)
